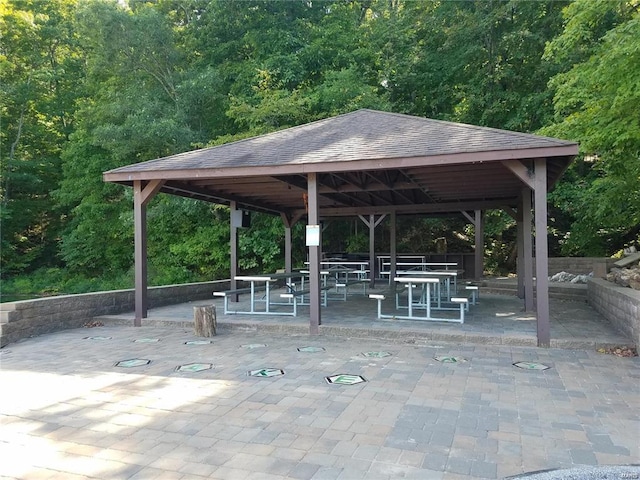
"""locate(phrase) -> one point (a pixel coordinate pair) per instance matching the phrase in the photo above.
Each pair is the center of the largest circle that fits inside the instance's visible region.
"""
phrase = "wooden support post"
(372, 223)
(142, 194)
(314, 256)
(233, 245)
(519, 217)
(528, 250)
(287, 242)
(204, 321)
(393, 247)
(289, 222)
(140, 254)
(479, 250)
(372, 250)
(542, 254)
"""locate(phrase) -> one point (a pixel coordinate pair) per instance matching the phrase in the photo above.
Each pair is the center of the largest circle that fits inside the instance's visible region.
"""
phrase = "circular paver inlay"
(448, 359)
(376, 354)
(266, 372)
(133, 362)
(531, 366)
(345, 379)
(251, 346)
(97, 338)
(199, 342)
(147, 340)
(194, 367)
(310, 349)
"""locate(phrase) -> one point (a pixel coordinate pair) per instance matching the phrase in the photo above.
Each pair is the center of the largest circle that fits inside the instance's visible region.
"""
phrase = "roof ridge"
(501, 131)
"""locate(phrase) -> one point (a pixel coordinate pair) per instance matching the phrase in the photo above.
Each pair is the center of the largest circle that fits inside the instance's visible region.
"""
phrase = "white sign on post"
(313, 235)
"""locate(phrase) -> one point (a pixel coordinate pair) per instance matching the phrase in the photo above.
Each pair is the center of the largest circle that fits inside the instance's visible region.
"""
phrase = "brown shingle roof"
(366, 161)
(360, 135)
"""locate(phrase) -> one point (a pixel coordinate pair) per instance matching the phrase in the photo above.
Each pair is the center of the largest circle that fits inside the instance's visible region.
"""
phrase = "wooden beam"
(521, 171)
(150, 190)
(449, 207)
(471, 219)
(217, 197)
(511, 212)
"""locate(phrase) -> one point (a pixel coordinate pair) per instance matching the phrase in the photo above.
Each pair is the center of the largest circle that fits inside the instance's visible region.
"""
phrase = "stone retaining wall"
(44, 315)
(619, 305)
(578, 265)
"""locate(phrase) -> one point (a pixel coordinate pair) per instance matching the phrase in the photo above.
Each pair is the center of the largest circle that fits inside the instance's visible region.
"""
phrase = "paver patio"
(68, 412)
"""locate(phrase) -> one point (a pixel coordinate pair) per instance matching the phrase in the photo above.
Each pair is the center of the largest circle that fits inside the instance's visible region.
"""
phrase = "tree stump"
(204, 321)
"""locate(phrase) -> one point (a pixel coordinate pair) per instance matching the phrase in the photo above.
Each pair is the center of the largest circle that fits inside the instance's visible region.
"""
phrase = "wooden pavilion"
(370, 164)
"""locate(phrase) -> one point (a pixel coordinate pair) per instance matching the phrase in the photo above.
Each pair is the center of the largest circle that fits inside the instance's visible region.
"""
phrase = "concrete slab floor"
(496, 319)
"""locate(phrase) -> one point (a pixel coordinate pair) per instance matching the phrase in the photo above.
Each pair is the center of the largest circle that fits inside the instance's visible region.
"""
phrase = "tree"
(478, 62)
(39, 64)
(132, 112)
(595, 103)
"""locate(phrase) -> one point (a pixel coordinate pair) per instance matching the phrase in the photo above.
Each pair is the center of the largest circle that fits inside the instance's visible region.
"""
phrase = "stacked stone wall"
(619, 305)
(45, 315)
(577, 265)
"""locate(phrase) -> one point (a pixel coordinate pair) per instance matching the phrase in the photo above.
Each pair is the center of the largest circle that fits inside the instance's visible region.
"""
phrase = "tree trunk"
(205, 321)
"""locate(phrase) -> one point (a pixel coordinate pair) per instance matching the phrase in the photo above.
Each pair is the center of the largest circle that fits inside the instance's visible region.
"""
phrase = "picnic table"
(427, 300)
(258, 283)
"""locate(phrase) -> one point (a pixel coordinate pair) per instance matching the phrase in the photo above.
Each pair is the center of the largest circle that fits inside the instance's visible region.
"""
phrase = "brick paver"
(66, 410)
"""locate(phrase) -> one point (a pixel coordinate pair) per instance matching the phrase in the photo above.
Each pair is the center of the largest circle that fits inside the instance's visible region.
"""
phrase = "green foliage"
(39, 67)
(500, 251)
(91, 85)
(187, 241)
(474, 62)
(57, 281)
(595, 102)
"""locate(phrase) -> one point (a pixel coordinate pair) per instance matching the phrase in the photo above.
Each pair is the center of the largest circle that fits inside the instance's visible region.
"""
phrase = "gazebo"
(369, 164)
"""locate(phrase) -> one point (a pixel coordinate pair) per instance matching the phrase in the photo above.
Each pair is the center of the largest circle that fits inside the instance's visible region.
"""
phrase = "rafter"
(212, 197)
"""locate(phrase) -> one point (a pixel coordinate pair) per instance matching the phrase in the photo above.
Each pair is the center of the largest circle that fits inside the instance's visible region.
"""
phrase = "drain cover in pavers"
(266, 372)
(531, 366)
(345, 379)
(251, 346)
(134, 362)
(376, 354)
(198, 342)
(311, 349)
(194, 367)
(447, 359)
(97, 338)
(147, 340)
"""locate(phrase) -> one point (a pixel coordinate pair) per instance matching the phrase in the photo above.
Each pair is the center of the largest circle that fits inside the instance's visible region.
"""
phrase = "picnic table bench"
(236, 291)
(460, 301)
(348, 283)
(297, 296)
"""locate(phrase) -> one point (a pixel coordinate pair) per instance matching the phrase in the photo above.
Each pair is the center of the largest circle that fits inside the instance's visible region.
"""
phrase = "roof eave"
(129, 174)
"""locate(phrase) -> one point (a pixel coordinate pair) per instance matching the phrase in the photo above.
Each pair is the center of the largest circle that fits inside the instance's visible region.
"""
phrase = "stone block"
(7, 316)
